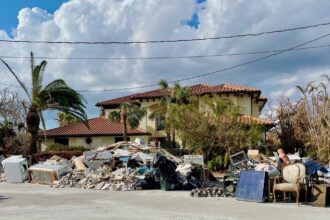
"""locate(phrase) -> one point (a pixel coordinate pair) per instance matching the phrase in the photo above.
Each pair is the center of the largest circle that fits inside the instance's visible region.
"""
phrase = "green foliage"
(56, 95)
(177, 96)
(216, 164)
(130, 113)
(226, 160)
(61, 147)
(212, 126)
(64, 119)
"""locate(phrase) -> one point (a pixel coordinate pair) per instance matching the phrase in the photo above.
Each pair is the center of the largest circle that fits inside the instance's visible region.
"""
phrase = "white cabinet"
(15, 168)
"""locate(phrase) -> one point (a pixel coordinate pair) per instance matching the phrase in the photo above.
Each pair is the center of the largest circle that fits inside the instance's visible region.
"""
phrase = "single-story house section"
(101, 131)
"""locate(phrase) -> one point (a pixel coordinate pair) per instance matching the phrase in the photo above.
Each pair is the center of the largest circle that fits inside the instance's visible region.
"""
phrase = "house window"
(88, 140)
(160, 124)
(118, 139)
(63, 141)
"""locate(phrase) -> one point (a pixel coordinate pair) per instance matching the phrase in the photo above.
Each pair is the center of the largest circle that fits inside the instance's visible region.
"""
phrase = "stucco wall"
(96, 141)
(241, 100)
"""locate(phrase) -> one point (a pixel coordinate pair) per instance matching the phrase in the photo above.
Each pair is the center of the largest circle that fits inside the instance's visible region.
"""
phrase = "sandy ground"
(27, 201)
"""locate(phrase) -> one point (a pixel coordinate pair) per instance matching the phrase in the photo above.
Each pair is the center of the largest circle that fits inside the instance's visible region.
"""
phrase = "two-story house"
(103, 132)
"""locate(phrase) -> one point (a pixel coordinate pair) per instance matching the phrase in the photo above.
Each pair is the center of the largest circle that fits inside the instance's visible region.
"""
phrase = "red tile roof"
(157, 93)
(262, 98)
(199, 89)
(228, 88)
(115, 101)
(98, 127)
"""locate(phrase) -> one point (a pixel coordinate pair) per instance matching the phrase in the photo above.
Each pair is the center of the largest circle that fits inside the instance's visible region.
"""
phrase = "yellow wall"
(241, 100)
(96, 141)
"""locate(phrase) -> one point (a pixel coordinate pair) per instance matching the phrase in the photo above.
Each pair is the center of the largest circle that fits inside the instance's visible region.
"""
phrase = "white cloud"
(127, 20)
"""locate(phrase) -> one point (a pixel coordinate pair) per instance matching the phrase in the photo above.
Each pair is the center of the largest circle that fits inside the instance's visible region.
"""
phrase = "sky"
(10, 8)
(141, 20)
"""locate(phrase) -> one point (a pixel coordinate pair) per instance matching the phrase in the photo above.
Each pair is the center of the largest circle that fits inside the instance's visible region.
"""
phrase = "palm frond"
(326, 76)
(57, 95)
(32, 62)
(37, 77)
(134, 115)
(301, 90)
(17, 78)
(114, 116)
(163, 84)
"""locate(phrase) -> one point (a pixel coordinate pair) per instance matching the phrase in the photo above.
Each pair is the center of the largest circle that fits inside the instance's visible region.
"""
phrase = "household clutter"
(127, 166)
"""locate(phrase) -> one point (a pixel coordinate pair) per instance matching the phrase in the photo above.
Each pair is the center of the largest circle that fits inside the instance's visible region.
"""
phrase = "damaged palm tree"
(57, 95)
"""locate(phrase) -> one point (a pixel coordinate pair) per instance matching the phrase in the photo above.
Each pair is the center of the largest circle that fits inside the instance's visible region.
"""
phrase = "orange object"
(282, 155)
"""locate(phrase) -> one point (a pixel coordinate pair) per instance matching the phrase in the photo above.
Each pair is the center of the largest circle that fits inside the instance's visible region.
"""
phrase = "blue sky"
(9, 10)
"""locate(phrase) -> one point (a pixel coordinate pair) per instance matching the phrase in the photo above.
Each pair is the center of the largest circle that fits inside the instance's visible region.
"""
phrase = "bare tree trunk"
(168, 138)
(125, 129)
(33, 121)
(173, 139)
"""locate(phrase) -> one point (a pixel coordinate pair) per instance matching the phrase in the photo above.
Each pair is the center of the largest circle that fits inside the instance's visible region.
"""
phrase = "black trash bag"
(132, 163)
(148, 182)
(192, 181)
(166, 169)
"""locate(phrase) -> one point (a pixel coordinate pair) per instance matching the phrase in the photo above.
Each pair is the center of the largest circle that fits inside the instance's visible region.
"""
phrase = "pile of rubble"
(210, 189)
(123, 166)
(208, 192)
(99, 179)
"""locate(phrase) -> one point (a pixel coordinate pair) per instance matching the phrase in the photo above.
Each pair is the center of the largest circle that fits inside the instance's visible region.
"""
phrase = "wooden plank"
(80, 166)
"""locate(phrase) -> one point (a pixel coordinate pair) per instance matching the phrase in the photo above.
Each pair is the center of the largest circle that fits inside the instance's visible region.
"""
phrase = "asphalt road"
(27, 201)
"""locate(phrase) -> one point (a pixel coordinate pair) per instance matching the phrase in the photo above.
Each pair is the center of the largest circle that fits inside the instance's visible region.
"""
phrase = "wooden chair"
(293, 179)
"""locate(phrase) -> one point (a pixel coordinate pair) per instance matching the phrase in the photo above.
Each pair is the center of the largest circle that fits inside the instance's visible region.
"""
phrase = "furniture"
(15, 168)
(293, 177)
(320, 195)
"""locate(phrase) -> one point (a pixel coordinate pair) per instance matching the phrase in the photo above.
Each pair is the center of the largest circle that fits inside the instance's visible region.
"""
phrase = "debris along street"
(129, 166)
(29, 201)
(123, 166)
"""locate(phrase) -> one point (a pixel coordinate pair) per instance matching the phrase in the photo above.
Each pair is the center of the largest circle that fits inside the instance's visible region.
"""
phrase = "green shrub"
(61, 147)
(215, 164)
(57, 147)
(78, 148)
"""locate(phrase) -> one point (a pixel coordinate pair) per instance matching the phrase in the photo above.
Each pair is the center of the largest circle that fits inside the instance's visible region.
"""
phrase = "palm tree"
(130, 113)
(178, 96)
(64, 119)
(57, 95)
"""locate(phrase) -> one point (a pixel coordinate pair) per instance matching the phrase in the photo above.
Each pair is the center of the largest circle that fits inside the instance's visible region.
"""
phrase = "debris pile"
(99, 179)
(128, 166)
(208, 192)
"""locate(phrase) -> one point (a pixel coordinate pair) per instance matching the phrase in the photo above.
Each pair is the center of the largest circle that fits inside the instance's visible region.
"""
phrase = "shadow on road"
(2, 198)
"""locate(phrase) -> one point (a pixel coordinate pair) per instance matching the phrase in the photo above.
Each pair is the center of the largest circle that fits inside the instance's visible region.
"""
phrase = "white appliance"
(15, 168)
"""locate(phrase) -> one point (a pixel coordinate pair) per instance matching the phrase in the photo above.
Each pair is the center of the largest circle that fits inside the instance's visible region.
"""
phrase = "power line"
(168, 41)
(251, 61)
(213, 72)
(163, 57)
(208, 73)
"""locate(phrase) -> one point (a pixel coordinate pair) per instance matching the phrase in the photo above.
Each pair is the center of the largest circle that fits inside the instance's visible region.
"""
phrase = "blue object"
(252, 186)
(143, 170)
(312, 168)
